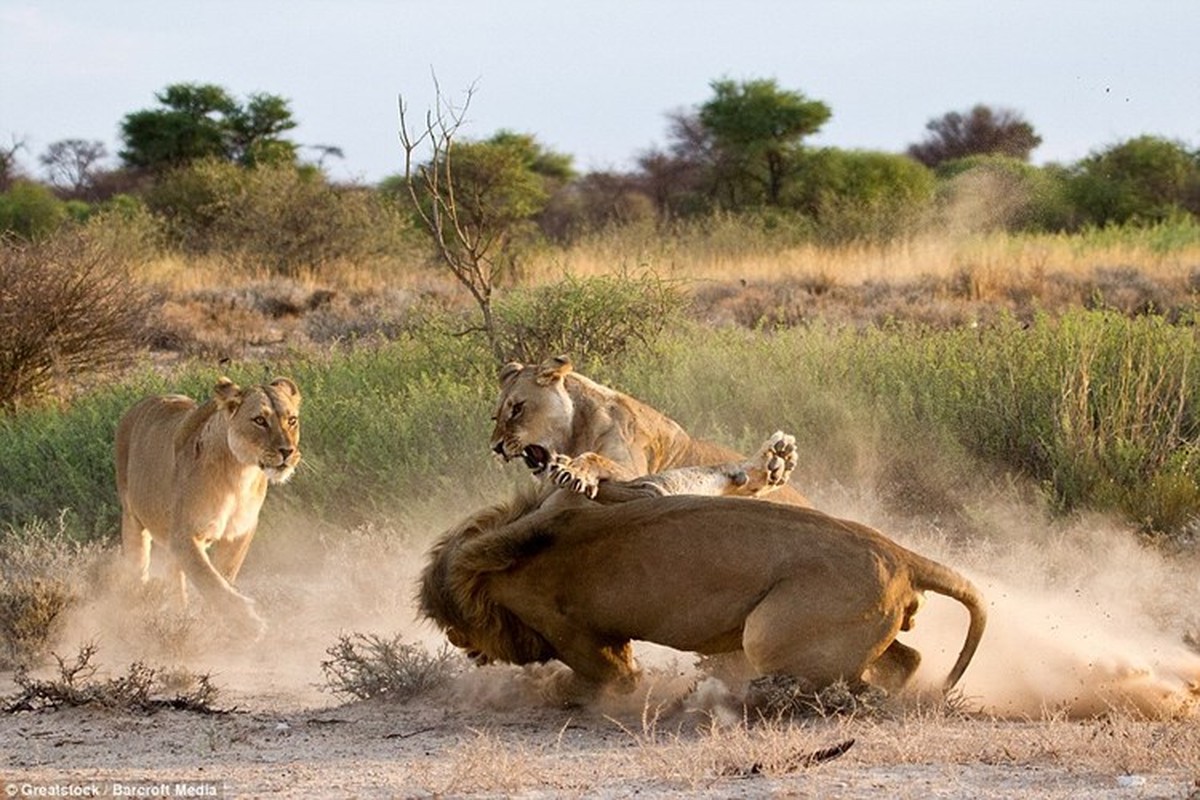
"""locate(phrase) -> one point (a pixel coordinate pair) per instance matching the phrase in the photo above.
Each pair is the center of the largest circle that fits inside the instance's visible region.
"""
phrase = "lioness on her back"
(584, 432)
(192, 478)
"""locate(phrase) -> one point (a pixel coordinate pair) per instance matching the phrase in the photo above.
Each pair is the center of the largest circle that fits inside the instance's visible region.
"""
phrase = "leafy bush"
(1146, 179)
(69, 309)
(593, 319)
(862, 194)
(283, 218)
(30, 211)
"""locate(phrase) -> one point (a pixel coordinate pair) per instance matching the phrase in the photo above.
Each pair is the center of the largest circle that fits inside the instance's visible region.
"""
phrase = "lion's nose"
(286, 452)
(498, 448)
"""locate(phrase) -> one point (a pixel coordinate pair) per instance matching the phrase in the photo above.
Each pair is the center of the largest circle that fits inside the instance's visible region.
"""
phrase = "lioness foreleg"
(769, 469)
(136, 542)
(583, 473)
(192, 559)
(228, 554)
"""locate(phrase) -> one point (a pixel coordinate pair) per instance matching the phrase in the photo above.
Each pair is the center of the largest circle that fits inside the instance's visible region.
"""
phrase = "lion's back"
(145, 442)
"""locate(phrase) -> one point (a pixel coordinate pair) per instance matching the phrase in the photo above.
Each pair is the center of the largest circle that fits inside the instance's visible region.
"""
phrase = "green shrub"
(861, 194)
(31, 211)
(279, 217)
(994, 192)
(592, 319)
(1146, 179)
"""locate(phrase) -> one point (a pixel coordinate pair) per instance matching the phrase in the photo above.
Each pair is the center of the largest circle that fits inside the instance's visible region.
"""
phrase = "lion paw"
(771, 467)
(573, 474)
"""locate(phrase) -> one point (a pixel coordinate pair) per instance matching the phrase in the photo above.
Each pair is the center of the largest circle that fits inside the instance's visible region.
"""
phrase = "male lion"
(800, 593)
(193, 478)
(583, 432)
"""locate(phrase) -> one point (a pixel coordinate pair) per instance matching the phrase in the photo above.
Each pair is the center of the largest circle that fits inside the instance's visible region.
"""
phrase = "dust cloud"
(1083, 619)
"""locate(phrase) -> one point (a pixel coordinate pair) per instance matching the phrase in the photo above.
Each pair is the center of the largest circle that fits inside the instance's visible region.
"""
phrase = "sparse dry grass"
(141, 688)
(366, 666)
(994, 262)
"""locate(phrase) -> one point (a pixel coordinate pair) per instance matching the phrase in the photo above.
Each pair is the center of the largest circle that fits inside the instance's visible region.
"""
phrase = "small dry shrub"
(142, 688)
(68, 309)
(363, 666)
(779, 696)
(31, 615)
(39, 570)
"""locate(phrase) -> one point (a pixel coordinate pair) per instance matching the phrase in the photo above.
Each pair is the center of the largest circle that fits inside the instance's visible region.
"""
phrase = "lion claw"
(562, 473)
(773, 465)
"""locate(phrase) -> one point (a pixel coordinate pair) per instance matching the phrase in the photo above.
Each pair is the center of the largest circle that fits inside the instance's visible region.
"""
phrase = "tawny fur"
(192, 478)
(607, 434)
(800, 592)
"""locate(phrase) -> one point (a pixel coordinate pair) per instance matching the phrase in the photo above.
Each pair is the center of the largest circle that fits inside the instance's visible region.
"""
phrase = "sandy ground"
(1083, 687)
(279, 745)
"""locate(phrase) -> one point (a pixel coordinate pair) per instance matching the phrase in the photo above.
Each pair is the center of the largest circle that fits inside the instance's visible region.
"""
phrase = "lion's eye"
(260, 421)
(516, 410)
(293, 421)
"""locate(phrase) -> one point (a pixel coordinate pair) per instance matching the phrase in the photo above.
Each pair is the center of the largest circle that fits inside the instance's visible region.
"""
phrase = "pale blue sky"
(596, 79)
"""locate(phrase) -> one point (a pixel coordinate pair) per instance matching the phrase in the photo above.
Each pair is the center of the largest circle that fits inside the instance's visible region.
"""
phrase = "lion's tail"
(931, 576)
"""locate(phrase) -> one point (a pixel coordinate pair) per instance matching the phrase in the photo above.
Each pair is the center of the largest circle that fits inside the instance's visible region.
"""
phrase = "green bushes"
(862, 195)
(1146, 179)
(592, 319)
(30, 211)
(281, 218)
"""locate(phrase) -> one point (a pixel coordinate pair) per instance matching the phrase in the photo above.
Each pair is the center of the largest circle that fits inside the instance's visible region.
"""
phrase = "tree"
(9, 170)
(71, 164)
(755, 129)
(477, 200)
(1145, 179)
(861, 194)
(981, 131)
(203, 121)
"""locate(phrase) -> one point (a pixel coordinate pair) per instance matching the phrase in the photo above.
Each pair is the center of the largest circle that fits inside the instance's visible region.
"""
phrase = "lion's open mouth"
(537, 458)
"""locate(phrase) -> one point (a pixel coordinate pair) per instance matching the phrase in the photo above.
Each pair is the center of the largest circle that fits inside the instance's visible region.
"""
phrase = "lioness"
(548, 410)
(799, 592)
(193, 478)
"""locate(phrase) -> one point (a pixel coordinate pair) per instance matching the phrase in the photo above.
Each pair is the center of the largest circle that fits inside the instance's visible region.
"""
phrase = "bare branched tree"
(467, 249)
(71, 164)
(8, 163)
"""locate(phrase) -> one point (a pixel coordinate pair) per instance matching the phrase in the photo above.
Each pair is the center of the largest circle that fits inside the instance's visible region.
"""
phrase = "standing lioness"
(193, 478)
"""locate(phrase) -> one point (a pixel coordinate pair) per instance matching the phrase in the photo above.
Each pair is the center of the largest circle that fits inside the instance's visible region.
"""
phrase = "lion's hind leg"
(792, 632)
(894, 668)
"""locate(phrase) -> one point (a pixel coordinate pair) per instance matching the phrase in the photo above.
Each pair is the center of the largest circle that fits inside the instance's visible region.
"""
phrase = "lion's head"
(535, 414)
(263, 425)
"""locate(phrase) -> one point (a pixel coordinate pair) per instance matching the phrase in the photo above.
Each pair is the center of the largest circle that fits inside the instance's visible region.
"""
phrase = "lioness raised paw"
(771, 467)
(581, 474)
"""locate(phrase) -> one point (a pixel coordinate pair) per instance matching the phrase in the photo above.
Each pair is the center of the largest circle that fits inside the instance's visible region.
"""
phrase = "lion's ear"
(553, 369)
(509, 371)
(228, 393)
(287, 385)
